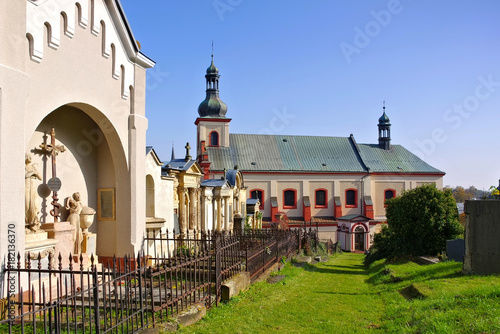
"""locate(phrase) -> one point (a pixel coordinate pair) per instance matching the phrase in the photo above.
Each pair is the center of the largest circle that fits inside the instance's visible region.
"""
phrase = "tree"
(460, 194)
(419, 223)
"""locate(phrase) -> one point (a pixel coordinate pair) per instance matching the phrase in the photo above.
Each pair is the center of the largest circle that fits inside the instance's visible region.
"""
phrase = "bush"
(419, 223)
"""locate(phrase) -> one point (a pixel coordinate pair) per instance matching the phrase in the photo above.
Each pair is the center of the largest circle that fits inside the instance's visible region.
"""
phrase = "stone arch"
(95, 158)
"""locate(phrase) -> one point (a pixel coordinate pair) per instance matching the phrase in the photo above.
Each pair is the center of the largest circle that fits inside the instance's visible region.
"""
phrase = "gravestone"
(482, 237)
(455, 249)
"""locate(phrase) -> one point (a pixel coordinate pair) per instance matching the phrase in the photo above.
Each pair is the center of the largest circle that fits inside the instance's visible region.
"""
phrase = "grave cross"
(54, 183)
(188, 156)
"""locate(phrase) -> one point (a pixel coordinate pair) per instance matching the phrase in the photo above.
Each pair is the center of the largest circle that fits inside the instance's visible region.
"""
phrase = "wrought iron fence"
(129, 294)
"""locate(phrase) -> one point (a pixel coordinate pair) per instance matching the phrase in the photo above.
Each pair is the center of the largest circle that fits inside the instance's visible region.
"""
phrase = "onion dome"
(384, 119)
(212, 106)
(212, 69)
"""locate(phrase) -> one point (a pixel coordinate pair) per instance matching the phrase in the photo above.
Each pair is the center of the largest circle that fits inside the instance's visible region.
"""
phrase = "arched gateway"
(354, 233)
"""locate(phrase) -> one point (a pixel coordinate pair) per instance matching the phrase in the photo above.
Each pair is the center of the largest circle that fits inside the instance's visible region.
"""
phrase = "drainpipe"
(353, 141)
(363, 191)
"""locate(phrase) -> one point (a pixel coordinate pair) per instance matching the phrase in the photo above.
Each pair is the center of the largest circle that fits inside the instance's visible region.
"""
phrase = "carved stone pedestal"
(39, 243)
(63, 233)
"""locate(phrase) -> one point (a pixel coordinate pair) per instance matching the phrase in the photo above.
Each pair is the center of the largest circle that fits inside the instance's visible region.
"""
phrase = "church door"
(359, 239)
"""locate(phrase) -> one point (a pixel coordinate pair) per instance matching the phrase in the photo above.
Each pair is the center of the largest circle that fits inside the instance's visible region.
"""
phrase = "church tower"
(212, 124)
(384, 132)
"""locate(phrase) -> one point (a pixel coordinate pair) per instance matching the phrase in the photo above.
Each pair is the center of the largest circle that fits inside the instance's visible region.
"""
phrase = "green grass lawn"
(343, 296)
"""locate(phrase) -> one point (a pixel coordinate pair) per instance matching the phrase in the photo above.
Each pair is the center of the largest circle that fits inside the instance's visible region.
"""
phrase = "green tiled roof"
(397, 159)
(285, 153)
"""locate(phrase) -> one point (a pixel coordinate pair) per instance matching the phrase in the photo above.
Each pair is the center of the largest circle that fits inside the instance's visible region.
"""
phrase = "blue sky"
(324, 67)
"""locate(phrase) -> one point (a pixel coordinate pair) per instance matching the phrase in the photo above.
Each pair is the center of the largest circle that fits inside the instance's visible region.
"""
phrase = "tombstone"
(455, 250)
(482, 233)
(239, 224)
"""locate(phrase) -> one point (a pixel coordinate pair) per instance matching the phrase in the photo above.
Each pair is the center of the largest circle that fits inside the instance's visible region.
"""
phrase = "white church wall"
(327, 185)
(70, 66)
(399, 183)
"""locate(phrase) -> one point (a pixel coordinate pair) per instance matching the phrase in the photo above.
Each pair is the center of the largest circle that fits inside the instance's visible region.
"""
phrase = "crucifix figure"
(54, 184)
(188, 156)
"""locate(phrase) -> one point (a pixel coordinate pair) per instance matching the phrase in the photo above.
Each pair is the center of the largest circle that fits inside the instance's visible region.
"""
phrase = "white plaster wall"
(400, 183)
(336, 184)
(70, 67)
(204, 129)
(329, 187)
(344, 185)
(164, 192)
(306, 185)
(296, 185)
(165, 202)
(266, 187)
(326, 233)
(379, 194)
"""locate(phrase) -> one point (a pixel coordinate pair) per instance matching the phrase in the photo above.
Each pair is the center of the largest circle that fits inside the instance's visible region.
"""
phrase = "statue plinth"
(38, 244)
(63, 233)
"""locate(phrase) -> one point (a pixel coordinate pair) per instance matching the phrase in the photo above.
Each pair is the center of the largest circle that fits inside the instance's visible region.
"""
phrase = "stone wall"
(482, 237)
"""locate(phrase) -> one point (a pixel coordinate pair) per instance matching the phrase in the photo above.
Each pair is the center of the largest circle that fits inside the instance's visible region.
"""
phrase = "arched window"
(258, 193)
(351, 198)
(214, 138)
(150, 196)
(388, 194)
(359, 229)
(321, 196)
(289, 199)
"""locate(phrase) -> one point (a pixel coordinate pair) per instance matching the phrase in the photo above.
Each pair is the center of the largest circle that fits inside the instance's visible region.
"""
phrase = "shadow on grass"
(347, 293)
(336, 269)
(437, 272)
(426, 273)
(376, 268)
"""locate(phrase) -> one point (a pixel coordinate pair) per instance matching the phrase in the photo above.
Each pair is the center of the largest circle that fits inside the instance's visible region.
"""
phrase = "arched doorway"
(359, 238)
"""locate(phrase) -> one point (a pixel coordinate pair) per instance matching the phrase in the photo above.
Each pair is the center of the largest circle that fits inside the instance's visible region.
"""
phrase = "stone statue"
(75, 207)
(30, 196)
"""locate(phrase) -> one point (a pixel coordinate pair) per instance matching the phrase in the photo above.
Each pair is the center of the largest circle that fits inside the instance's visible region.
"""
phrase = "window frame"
(320, 206)
(210, 139)
(294, 206)
(355, 205)
(261, 206)
(393, 195)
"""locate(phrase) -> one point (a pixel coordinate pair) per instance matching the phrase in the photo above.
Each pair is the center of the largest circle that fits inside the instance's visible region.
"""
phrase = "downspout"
(353, 141)
(363, 191)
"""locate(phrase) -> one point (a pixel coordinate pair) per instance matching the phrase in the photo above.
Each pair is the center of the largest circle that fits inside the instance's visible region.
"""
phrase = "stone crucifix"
(54, 183)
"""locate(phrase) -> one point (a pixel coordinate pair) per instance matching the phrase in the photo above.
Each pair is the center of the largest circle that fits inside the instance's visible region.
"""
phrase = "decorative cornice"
(209, 119)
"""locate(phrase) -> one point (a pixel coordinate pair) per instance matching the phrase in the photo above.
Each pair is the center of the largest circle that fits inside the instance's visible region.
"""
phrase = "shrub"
(419, 223)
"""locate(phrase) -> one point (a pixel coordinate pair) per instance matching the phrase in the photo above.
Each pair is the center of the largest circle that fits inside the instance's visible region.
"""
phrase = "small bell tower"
(384, 131)
(212, 123)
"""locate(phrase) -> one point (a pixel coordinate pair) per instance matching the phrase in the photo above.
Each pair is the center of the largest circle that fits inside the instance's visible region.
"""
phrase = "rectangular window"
(258, 194)
(289, 199)
(351, 198)
(321, 200)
